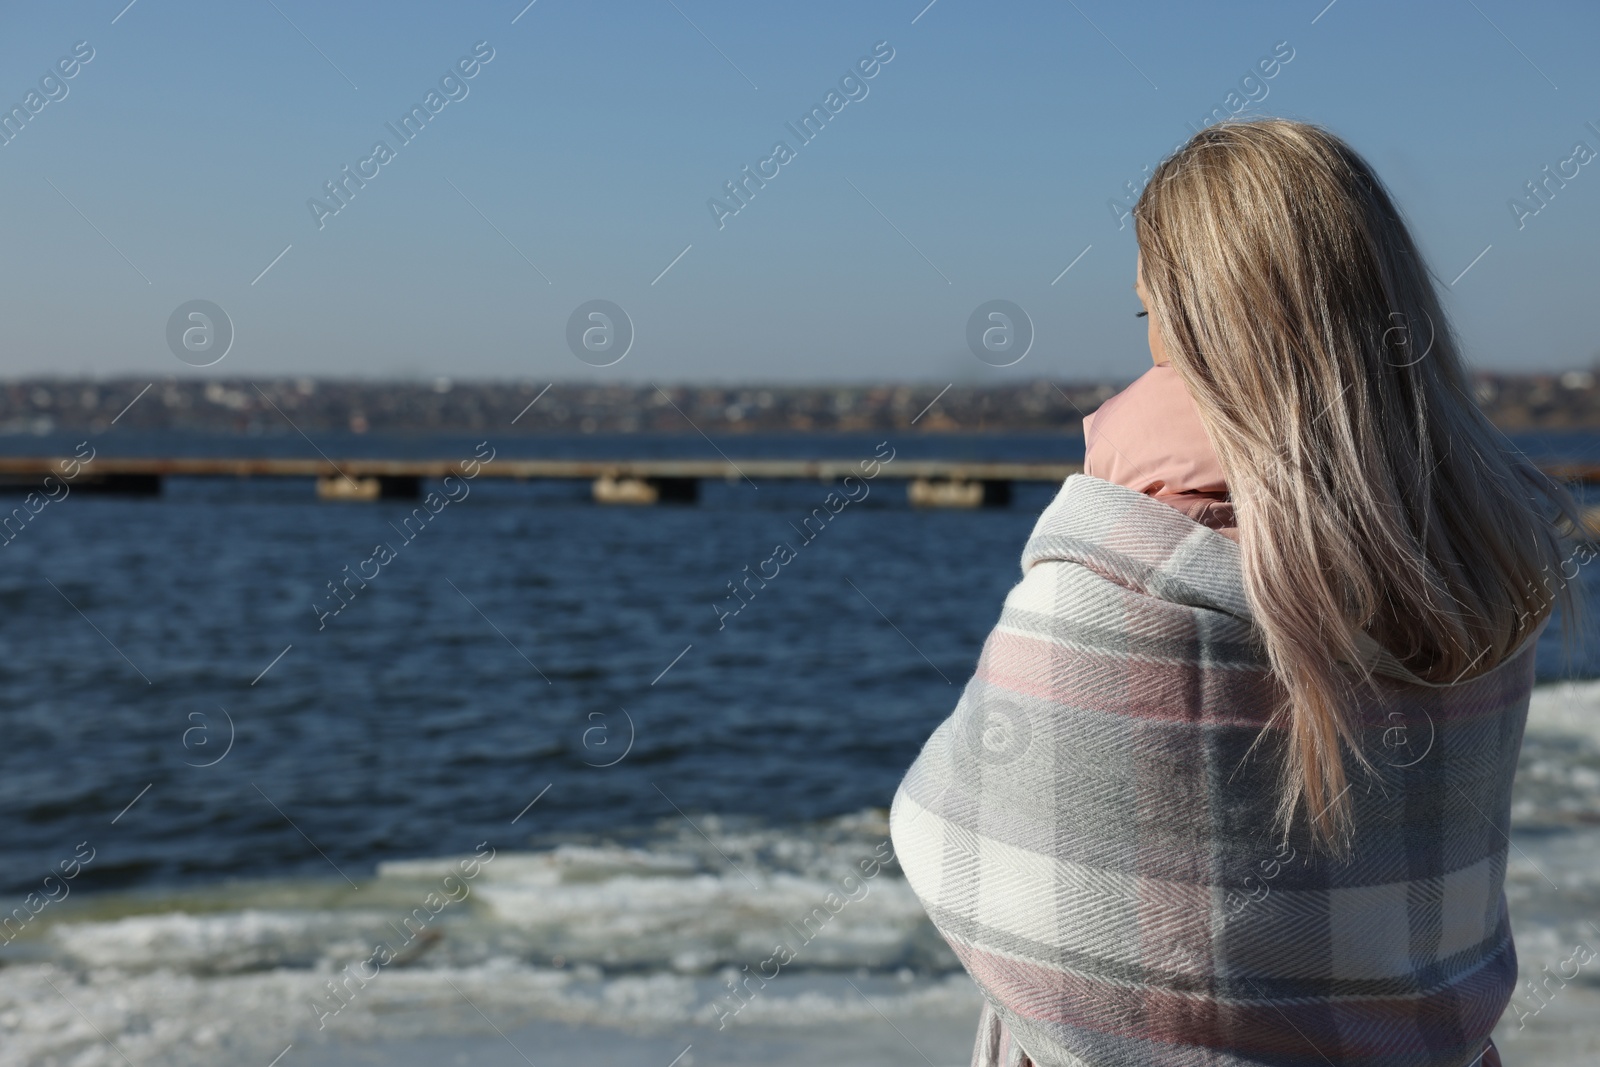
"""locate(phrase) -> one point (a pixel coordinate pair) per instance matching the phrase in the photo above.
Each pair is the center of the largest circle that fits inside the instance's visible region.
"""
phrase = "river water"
(252, 788)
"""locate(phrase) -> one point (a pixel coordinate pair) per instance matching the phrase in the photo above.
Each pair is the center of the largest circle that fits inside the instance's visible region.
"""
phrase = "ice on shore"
(623, 946)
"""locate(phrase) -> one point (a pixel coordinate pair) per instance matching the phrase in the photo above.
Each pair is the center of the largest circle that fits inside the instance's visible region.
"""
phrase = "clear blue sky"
(978, 166)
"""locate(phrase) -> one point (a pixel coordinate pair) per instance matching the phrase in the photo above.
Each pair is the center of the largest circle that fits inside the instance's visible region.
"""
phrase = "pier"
(929, 483)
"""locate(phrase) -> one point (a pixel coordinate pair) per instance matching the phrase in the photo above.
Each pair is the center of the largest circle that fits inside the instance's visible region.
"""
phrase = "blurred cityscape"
(1557, 400)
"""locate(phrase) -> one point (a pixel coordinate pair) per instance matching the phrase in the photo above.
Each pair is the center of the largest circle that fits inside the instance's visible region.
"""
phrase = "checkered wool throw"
(1086, 834)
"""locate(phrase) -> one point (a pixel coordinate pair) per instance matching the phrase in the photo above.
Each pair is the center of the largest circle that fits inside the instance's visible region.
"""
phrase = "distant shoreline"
(1552, 401)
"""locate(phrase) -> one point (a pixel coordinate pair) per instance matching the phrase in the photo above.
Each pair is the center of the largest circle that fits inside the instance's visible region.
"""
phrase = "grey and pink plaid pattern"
(1087, 834)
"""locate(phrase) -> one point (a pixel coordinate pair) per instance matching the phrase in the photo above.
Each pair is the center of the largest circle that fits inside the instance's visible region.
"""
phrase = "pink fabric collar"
(1149, 438)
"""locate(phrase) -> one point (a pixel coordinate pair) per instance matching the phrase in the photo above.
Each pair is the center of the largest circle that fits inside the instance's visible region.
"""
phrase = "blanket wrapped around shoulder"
(1087, 834)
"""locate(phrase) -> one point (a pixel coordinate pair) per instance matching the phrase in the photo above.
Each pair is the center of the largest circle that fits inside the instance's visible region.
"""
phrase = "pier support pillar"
(677, 490)
(996, 493)
(958, 493)
(369, 487)
(399, 487)
(612, 489)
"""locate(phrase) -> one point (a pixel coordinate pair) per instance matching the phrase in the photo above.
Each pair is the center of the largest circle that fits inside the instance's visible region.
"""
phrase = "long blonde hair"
(1371, 493)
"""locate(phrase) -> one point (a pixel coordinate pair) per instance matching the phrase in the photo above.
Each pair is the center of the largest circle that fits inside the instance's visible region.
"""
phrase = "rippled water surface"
(267, 787)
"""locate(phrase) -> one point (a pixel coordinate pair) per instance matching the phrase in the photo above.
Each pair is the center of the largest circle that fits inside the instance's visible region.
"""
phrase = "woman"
(1239, 793)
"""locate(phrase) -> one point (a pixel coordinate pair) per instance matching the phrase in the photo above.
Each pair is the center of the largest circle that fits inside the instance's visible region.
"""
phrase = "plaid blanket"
(1086, 832)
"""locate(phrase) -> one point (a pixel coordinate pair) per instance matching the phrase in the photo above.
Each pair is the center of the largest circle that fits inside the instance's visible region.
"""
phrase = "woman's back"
(1092, 832)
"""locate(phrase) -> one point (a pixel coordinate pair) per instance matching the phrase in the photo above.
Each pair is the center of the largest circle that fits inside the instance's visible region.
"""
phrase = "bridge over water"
(930, 483)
